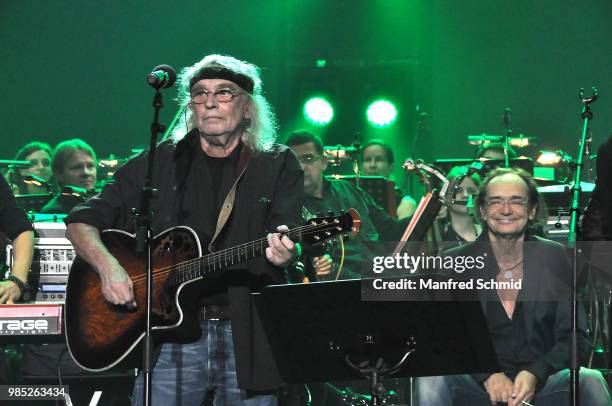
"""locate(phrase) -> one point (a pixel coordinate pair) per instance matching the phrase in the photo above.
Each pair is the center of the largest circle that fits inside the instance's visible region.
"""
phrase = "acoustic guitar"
(101, 335)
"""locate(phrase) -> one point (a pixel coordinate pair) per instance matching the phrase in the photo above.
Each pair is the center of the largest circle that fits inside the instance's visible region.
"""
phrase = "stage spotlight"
(381, 113)
(318, 111)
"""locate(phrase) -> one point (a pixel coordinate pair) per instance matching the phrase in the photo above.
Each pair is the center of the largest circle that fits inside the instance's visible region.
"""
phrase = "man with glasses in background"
(321, 196)
(227, 159)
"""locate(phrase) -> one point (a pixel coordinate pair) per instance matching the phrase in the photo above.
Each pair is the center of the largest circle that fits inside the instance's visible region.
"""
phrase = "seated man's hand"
(499, 387)
(281, 251)
(523, 389)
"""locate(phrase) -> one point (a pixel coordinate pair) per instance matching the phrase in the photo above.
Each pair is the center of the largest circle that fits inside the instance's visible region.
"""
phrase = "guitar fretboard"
(221, 260)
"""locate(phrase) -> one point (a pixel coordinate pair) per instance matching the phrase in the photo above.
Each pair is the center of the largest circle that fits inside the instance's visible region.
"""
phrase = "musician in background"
(495, 150)
(229, 147)
(597, 226)
(40, 155)
(461, 225)
(377, 160)
(597, 221)
(74, 164)
(75, 169)
(15, 224)
(530, 324)
(323, 195)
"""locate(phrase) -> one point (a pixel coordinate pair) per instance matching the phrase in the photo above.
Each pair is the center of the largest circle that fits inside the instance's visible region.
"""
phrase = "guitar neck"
(315, 231)
(221, 260)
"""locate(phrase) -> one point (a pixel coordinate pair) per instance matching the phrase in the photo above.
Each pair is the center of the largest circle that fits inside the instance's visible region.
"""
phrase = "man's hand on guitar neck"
(281, 251)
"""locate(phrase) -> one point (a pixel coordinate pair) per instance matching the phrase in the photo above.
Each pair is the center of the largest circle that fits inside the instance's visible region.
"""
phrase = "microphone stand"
(507, 133)
(142, 220)
(586, 116)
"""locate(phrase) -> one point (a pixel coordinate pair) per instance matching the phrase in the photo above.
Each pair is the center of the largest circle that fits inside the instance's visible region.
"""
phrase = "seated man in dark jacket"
(527, 310)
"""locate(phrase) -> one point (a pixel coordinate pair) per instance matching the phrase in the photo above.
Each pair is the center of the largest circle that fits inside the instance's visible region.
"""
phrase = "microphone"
(507, 117)
(162, 76)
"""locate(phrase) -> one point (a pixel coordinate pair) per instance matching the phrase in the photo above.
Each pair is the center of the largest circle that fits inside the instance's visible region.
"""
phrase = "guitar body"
(99, 334)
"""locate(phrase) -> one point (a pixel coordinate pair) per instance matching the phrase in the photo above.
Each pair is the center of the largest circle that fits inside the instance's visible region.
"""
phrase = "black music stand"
(34, 203)
(307, 332)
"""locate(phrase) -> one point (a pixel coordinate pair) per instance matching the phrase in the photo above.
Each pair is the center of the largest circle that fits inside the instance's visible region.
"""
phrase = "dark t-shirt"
(509, 337)
(206, 187)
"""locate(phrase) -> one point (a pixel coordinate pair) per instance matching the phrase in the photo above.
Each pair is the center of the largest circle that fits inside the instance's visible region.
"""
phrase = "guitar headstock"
(319, 229)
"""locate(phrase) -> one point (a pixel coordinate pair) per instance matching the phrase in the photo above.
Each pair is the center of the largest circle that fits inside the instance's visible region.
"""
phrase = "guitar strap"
(228, 203)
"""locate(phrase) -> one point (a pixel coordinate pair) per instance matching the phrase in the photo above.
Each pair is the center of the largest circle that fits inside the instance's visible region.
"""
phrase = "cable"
(341, 258)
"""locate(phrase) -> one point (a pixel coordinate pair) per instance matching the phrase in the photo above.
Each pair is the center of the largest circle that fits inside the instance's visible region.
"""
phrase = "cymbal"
(519, 140)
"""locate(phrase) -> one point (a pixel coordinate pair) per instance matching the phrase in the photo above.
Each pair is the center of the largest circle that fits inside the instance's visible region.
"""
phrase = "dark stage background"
(77, 68)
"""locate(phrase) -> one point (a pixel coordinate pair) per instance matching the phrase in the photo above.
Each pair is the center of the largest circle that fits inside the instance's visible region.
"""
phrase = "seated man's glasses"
(515, 203)
(223, 95)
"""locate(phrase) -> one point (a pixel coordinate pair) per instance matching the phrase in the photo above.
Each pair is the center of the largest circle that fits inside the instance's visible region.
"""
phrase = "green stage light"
(381, 113)
(318, 111)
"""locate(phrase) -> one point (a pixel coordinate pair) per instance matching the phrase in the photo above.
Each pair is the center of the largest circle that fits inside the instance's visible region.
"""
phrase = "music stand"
(306, 333)
(34, 203)
(380, 188)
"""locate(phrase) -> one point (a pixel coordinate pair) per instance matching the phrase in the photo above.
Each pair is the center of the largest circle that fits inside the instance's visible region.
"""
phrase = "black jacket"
(269, 194)
(545, 296)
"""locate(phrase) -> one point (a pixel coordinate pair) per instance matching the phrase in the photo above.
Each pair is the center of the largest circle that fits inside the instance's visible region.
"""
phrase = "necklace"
(507, 272)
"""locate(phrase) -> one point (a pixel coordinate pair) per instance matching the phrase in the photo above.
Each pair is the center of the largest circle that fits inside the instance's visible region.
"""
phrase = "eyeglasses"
(308, 159)
(223, 95)
(498, 203)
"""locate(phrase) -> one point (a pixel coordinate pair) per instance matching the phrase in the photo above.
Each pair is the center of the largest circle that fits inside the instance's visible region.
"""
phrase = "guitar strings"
(253, 244)
(223, 254)
(194, 265)
(217, 256)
